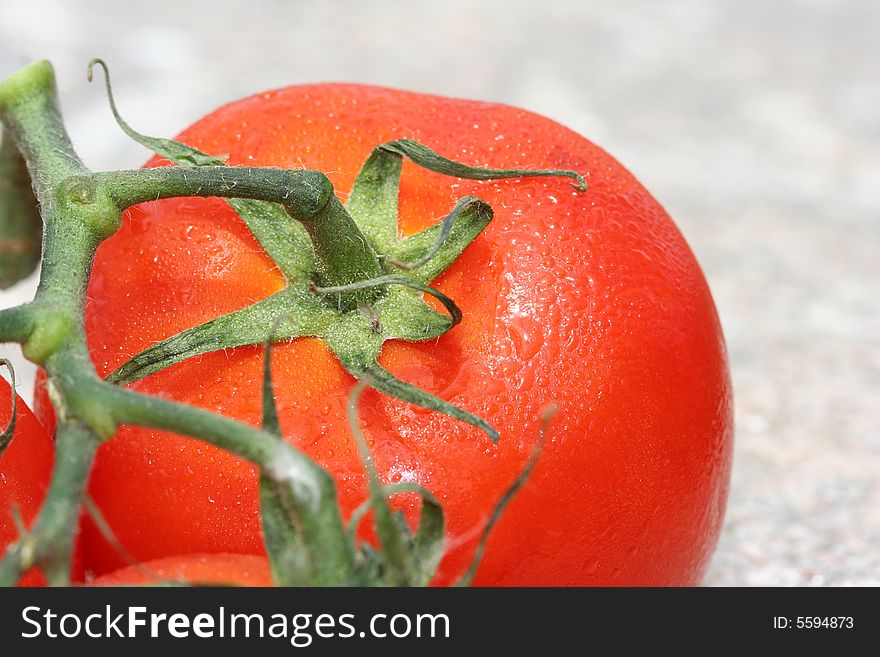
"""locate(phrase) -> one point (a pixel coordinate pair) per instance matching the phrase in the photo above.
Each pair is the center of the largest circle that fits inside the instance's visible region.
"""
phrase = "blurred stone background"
(756, 123)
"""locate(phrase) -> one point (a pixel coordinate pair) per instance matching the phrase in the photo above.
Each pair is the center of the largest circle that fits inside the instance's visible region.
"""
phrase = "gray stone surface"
(754, 122)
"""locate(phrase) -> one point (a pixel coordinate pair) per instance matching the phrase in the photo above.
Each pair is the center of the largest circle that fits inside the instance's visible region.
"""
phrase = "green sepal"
(9, 431)
(288, 554)
(372, 201)
(429, 542)
(270, 420)
(433, 161)
(395, 554)
(284, 240)
(370, 567)
(21, 227)
(396, 279)
(295, 314)
(402, 314)
(180, 154)
(429, 253)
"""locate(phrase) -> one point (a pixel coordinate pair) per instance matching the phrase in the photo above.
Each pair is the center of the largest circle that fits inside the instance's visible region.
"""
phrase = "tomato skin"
(25, 470)
(590, 300)
(217, 569)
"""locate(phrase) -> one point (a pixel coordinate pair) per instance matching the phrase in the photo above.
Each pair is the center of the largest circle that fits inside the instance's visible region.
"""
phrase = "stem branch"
(16, 324)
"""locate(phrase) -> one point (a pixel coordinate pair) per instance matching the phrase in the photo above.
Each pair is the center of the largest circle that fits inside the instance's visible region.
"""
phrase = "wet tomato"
(589, 300)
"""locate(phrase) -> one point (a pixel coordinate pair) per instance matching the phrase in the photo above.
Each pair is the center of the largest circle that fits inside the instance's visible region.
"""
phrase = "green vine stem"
(344, 284)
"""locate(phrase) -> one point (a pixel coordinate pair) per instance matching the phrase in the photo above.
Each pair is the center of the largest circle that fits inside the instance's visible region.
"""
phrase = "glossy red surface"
(589, 300)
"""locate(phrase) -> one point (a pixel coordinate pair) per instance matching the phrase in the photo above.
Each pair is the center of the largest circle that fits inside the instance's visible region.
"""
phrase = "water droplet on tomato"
(526, 336)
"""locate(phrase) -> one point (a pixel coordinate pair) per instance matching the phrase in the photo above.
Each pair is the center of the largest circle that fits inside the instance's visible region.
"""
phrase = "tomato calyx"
(351, 280)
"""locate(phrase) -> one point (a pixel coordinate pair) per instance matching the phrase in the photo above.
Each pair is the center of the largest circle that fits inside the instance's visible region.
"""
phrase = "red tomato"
(25, 469)
(231, 569)
(590, 300)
